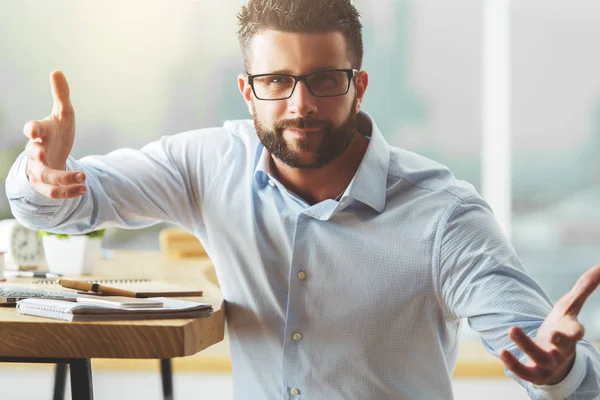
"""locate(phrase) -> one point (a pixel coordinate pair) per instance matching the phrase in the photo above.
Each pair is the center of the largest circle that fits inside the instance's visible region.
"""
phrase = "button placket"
(295, 309)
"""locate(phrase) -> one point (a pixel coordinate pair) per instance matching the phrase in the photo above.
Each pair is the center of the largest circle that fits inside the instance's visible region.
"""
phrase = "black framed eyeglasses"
(328, 83)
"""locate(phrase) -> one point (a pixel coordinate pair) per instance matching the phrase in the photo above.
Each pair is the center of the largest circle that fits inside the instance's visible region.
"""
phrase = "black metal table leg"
(81, 379)
(60, 380)
(166, 375)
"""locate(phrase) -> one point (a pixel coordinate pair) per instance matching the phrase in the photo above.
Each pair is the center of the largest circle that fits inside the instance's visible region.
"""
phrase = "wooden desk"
(33, 339)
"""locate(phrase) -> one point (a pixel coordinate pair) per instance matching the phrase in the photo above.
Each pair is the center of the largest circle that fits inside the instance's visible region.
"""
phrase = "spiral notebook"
(72, 311)
(141, 286)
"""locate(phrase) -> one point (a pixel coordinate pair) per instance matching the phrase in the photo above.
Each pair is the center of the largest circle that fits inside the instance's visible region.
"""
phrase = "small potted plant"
(72, 254)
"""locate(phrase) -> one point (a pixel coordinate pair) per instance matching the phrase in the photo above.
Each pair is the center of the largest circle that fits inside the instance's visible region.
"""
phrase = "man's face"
(303, 131)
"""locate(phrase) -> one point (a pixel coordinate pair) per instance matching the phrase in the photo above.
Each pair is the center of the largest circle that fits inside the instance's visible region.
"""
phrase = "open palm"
(49, 146)
(552, 354)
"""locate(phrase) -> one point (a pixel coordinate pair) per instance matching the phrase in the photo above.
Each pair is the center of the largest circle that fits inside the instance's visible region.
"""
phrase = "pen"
(96, 288)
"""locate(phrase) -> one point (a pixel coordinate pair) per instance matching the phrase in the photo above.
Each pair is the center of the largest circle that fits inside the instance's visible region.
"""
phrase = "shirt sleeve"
(127, 188)
(482, 279)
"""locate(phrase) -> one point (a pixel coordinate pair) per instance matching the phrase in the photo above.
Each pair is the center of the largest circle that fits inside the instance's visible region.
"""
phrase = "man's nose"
(302, 103)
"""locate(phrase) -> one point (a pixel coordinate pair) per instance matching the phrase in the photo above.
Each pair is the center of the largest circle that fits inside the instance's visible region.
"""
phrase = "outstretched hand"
(49, 146)
(552, 354)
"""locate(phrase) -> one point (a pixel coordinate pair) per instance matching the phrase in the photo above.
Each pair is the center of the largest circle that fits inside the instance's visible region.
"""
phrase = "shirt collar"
(262, 171)
(369, 185)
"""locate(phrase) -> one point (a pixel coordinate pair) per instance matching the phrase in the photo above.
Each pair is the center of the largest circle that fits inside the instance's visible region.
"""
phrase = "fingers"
(60, 192)
(35, 129)
(35, 151)
(585, 286)
(44, 174)
(568, 334)
(50, 142)
(31, 130)
(61, 109)
(61, 106)
(530, 374)
(533, 351)
(542, 364)
(548, 364)
(39, 130)
(55, 184)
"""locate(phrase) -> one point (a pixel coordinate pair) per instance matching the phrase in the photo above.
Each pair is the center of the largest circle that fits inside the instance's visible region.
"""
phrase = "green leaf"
(99, 234)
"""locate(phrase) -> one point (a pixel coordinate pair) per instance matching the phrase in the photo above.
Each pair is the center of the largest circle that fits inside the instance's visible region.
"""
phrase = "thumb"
(61, 101)
(585, 286)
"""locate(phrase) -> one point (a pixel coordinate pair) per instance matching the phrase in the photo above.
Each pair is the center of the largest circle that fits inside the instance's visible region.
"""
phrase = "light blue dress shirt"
(356, 299)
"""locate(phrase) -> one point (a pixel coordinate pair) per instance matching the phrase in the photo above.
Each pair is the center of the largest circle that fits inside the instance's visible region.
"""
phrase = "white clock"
(22, 246)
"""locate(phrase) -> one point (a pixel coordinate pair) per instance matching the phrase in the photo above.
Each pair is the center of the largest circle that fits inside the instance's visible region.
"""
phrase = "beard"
(335, 139)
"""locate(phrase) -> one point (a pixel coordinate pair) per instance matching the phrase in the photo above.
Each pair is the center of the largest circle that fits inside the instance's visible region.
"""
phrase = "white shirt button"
(302, 275)
(294, 391)
(297, 336)
(271, 182)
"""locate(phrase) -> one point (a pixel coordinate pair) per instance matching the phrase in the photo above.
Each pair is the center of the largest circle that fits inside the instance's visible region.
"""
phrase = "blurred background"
(139, 70)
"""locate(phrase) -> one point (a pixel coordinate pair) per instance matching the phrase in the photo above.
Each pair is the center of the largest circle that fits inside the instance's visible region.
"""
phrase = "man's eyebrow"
(327, 68)
(289, 72)
(281, 71)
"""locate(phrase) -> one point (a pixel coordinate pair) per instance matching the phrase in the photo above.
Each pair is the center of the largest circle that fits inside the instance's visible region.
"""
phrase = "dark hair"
(301, 16)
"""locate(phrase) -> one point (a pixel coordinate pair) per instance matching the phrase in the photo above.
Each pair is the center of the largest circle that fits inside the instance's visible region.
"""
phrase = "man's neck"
(317, 184)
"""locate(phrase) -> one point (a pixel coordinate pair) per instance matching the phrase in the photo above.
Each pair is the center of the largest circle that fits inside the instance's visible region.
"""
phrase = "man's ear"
(245, 90)
(361, 81)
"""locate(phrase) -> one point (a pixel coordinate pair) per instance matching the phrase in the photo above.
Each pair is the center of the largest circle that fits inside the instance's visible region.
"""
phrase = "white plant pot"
(75, 255)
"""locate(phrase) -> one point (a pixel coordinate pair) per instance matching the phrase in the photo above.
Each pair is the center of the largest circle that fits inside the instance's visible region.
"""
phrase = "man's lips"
(305, 131)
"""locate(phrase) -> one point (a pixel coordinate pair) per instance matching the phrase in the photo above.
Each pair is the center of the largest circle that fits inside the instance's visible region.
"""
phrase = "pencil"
(96, 288)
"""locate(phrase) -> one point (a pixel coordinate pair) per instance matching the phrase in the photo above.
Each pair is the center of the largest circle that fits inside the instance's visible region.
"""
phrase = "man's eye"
(279, 80)
(325, 78)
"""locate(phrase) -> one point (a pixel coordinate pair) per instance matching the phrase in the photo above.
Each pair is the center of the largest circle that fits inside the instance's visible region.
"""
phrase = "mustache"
(301, 123)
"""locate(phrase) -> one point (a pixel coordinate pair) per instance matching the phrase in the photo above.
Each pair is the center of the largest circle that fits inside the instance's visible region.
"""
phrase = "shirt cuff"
(570, 383)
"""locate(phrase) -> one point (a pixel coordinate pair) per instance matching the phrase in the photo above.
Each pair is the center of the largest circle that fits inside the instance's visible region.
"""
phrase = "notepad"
(119, 302)
(72, 311)
(141, 287)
